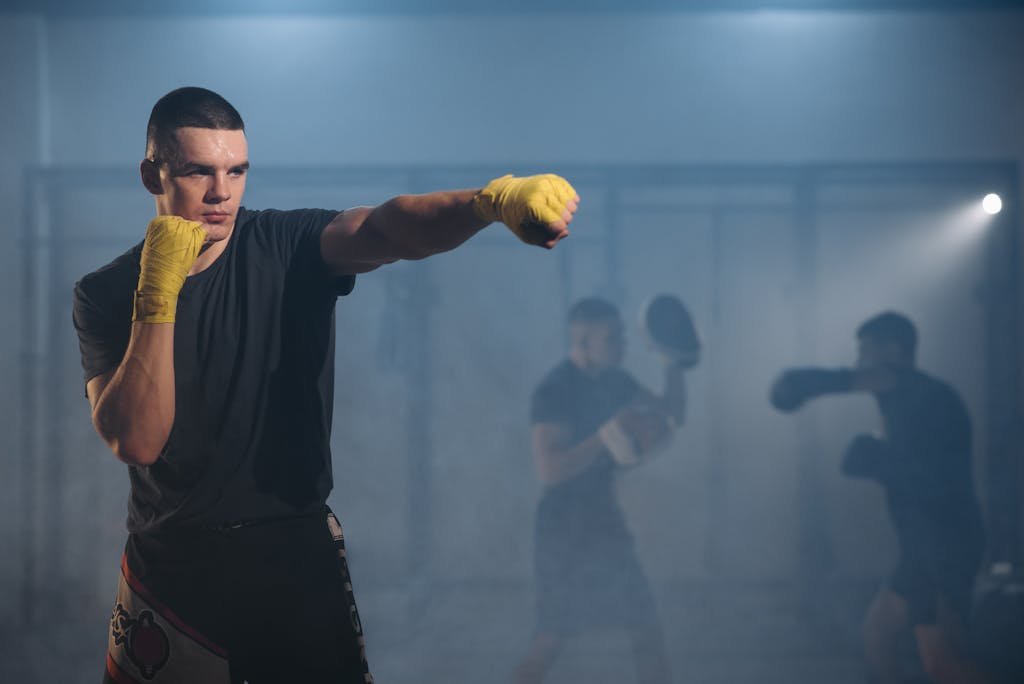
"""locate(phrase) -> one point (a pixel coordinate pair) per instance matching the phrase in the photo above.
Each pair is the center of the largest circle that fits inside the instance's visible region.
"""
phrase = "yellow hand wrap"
(523, 203)
(171, 247)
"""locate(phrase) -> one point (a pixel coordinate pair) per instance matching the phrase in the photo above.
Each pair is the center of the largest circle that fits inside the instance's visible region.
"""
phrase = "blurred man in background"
(923, 461)
(591, 421)
(208, 351)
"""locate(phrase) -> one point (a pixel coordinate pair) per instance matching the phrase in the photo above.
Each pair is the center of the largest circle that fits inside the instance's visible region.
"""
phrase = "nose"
(219, 190)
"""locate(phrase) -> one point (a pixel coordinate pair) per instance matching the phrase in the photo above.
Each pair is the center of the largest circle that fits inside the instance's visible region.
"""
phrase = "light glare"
(992, 204)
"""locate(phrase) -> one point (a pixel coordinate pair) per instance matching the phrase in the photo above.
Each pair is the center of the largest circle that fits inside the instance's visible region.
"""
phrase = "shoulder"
(284, 220)
(558, 379)
(119, 277)
(939, 393)
(551, 399)
(290, 239)
(930, 385)
(283, 233)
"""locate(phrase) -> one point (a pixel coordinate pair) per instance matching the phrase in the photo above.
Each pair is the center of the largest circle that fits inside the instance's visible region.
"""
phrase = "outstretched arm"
(538, 209)
(796, 386)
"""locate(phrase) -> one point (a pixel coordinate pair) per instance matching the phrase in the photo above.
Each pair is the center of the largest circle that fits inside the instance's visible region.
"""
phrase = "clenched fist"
(538, 209)
(171, 247)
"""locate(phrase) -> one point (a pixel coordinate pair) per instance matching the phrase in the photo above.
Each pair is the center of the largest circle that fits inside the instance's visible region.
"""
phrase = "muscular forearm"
(558, 465)
(135, 410)
(418, 226)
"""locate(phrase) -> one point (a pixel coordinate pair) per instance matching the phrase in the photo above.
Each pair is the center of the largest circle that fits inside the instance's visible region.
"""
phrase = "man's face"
(604, 343)
(872, 353)
(207, 181)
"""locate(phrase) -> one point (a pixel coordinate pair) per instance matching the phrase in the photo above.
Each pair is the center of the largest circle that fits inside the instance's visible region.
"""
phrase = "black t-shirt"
(582, 402)
(254, 374)
(927, 477)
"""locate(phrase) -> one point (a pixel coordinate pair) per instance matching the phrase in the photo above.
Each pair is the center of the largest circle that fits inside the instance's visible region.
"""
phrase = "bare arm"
(874, 379)
(673, 397)
(404, 227)
(538, 209)
(556, 461)
(133, 405)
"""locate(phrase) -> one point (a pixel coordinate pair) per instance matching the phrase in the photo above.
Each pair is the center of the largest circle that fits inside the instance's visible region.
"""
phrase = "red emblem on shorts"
(145, 641)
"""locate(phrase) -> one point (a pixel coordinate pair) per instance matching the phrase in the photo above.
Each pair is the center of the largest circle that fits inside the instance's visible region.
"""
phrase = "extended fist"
(537, 209)
(636, 433)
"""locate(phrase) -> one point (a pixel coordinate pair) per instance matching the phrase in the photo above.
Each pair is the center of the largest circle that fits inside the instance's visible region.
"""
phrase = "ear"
(149, 170)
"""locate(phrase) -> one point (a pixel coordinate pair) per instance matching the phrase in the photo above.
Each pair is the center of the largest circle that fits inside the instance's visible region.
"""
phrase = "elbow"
(132, 456)
(126, 448)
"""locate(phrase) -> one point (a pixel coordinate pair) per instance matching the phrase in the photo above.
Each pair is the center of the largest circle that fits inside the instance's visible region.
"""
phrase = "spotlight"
(992, 204)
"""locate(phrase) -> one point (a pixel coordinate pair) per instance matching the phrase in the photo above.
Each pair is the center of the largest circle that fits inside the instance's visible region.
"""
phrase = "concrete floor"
(716, 634)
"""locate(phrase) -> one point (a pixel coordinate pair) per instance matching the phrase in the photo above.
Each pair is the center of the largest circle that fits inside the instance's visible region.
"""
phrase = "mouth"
(216, 217)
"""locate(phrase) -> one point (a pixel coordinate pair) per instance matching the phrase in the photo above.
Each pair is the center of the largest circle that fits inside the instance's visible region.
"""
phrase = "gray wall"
(512, 92)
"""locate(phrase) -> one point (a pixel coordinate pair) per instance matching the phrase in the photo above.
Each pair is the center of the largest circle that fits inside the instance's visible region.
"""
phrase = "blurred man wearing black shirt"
(923, 461)
(591, 420)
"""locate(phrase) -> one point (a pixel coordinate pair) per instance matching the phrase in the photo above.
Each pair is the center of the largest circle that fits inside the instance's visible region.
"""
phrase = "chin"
(218, 232)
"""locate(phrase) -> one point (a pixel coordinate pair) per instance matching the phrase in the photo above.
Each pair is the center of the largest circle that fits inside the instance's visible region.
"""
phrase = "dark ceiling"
(83, 8)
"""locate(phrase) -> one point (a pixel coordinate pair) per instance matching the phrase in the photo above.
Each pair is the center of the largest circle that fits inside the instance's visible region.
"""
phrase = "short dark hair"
(891, 327)
(186, 107)
(591, 309)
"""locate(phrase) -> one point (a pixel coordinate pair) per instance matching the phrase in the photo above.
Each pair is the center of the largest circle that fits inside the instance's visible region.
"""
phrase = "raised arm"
(133, 405)
(673, 396)
(538, 209)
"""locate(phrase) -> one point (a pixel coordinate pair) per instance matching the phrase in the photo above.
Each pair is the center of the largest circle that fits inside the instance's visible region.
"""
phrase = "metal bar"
(815, 554)
(28, 393)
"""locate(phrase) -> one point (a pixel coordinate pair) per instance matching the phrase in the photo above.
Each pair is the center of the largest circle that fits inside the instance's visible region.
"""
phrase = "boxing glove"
(670, 331)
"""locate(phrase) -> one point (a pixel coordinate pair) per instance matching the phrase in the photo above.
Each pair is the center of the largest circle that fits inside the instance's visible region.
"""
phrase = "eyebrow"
(189, 167)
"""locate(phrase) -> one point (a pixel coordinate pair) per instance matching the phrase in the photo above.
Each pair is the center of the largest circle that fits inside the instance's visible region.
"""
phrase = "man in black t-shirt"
(208, 352)
(591, 420)
(923, 460)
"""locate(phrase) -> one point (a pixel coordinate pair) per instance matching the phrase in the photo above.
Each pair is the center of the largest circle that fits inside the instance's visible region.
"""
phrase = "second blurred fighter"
(923, 461)
(590, 420)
